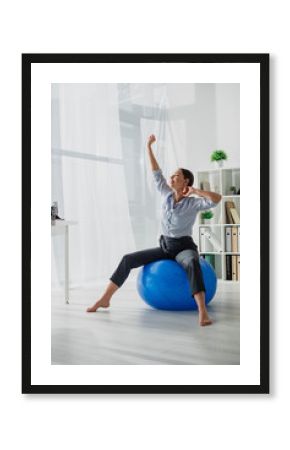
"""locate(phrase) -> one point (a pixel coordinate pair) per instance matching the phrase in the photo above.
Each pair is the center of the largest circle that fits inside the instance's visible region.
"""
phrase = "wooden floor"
(130, 332)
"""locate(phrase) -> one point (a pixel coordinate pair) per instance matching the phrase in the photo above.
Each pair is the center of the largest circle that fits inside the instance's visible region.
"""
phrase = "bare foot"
(204, 320)
(100, 304)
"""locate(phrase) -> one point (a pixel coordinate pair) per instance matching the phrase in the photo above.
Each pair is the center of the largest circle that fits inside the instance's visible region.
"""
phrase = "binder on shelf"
(212, 241)
(228, 267)
(234, 239)
(234, 268)
(202, 239)
(221, 236)
(210, 259)
(228, 239)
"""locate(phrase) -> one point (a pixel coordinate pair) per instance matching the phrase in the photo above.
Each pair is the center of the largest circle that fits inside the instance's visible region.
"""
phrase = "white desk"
(62, 227)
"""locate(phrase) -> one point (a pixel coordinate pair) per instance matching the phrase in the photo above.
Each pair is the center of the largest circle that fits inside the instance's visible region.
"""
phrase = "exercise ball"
(164, 285)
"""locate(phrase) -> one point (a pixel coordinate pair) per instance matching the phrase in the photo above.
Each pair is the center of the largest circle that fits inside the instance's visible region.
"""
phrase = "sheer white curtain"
(162, 103)
(88, 181)
(101, 176)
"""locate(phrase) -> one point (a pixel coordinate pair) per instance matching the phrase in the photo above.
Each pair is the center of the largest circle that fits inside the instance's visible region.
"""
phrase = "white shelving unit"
(220, 180)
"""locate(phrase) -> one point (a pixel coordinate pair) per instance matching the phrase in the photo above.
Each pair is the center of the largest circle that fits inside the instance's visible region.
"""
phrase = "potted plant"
(233, 190)
(219, 156)
(206, 216)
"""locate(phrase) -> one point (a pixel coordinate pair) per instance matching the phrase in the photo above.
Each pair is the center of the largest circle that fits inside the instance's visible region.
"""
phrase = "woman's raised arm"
(158, 177)
(153, 162)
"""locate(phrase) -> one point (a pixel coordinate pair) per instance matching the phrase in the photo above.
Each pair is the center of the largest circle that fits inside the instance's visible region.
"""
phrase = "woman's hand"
(151, 139)
(153, 162)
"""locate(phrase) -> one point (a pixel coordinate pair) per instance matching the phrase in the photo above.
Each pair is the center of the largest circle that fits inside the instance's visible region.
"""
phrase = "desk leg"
(66, 264)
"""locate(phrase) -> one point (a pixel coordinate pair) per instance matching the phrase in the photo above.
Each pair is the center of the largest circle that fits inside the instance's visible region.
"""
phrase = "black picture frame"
(263, 61)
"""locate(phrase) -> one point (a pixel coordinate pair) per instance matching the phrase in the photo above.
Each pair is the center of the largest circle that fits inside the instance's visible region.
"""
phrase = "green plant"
(207, 215)
(218, 155)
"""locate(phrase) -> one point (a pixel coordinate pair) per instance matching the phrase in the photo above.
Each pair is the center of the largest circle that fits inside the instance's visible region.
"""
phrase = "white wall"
(228, 121)
(214, 124)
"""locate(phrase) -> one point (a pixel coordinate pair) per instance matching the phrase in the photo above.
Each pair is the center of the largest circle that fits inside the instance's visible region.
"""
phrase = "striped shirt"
(177, 219)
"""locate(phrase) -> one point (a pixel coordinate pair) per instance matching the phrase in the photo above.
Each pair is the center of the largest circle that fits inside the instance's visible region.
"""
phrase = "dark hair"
(189, 175)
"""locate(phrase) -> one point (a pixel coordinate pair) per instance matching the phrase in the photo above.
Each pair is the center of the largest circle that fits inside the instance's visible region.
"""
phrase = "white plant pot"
(220, 163)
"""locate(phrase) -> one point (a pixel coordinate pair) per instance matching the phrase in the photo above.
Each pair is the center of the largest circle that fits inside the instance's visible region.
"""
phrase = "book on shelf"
(238, 267)
(228, 206)
(238, 239)
(235, 215)
(232, 215)
(205, 185)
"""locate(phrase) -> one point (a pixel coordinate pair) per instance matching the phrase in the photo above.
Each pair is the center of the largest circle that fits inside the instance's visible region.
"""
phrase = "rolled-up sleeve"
(160, 182)
(200, 204)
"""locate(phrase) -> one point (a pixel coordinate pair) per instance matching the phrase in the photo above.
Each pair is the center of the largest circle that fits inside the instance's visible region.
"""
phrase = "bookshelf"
(219, 238)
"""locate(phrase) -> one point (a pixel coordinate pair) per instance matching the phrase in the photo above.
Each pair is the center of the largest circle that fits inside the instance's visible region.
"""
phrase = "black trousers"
(182, 249)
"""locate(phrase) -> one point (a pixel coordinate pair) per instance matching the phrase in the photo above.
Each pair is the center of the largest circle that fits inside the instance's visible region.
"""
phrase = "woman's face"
(177, 180)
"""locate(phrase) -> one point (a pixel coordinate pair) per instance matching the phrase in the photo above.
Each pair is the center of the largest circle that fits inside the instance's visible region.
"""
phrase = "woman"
(178, 216)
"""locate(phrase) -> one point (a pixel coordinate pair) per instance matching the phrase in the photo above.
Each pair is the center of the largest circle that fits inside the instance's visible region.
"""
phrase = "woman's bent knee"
(188, 262)
(126, 257)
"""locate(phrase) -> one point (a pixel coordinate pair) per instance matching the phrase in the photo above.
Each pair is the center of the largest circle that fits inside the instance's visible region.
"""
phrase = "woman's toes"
(206, 322)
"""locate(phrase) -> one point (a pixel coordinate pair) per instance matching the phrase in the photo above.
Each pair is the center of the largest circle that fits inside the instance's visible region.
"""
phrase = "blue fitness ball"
(164, 285)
